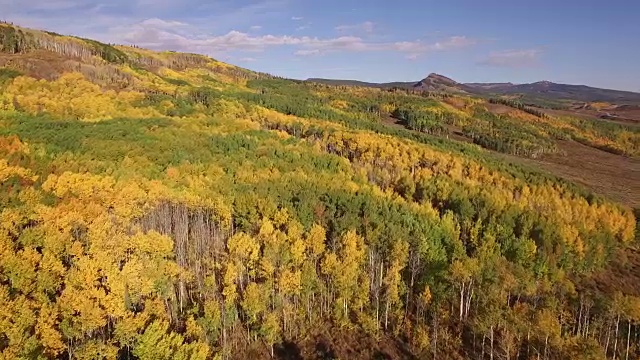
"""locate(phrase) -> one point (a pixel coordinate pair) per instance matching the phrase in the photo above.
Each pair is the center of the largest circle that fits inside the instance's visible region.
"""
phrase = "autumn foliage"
(203, 211)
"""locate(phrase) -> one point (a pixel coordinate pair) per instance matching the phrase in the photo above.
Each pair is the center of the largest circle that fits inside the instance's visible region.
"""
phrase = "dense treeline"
(423, 121)
(497, 133)
(519, 106)
(202, 212)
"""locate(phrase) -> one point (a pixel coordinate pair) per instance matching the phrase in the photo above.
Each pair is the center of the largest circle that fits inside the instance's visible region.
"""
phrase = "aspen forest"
(163, 205)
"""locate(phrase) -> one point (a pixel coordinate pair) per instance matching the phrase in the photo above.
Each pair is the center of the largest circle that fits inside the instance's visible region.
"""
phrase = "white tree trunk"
(628, 337)
(615, 344)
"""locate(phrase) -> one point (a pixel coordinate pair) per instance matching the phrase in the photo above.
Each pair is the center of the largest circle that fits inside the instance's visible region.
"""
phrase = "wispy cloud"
(136, 22)
(71, 16)
(417, 48)
(366, 27)
(513, 58)
(159, 34)
(303, 27)
(247, 59)
(454, 42)
(307, 52)
(164, 24)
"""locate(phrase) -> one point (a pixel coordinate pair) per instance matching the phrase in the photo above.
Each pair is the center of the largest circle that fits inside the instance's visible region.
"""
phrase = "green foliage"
(421, 120)
(497, 133)
(14, 40)
(519, 106)
(108, 52)
(177, 82)
(7, 75)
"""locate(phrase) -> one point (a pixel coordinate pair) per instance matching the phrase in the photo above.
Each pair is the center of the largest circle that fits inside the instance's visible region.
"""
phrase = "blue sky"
(588, 42)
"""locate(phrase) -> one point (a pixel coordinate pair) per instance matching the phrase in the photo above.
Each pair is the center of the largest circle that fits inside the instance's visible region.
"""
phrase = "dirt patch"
(456, 133)
(456, 102)
(622, 274)
(391, 121)
(498, 108)
(613, 176)
(618, 116)
(342, 343)
(39, 64)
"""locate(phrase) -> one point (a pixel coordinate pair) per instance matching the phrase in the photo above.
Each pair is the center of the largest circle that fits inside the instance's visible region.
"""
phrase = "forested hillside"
(170, 206)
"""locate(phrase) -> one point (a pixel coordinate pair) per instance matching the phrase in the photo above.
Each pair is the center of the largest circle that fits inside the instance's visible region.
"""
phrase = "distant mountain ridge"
(338, 82)
(542, 89)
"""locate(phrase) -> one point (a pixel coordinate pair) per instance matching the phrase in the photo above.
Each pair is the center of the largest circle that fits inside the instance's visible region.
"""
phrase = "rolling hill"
(542, 89)
(163, 205)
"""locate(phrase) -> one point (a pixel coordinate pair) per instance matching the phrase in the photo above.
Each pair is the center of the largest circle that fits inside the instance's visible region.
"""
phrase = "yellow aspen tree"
(393, 279)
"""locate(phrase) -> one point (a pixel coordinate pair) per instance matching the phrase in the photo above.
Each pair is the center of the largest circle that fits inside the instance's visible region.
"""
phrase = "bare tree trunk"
(461, 300)
(378, 290)
(578, 327)
(546, 342)
(180, 222)
(606, 348)
(628, 337)
(491, 357)
(386, 315)
(484, 336)
(435, 337)
(469, 296)
(615, 344)
(474, 343)
(414, 265)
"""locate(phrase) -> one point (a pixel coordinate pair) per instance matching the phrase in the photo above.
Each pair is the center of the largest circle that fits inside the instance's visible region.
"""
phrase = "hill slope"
(552, 90)
(159, 205)
(542, 89)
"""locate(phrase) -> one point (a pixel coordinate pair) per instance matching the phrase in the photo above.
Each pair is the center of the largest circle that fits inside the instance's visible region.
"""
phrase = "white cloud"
(411, 46)
(513, 58)
(159, 34)
(100, 19)
(454, 42)
(247, 59)
(366, 27)
(307, 52)
(163, 24)
(419, 47)
(303, 27)
(137, 22)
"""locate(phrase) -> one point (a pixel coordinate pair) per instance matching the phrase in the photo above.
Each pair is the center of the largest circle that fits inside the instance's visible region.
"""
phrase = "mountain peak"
(440, 78)
(436, 82)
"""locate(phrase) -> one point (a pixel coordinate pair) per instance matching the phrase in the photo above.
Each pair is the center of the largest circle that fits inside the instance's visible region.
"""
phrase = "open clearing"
(614, 176)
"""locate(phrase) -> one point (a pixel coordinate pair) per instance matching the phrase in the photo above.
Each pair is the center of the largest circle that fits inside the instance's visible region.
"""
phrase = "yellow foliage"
(72, 95)
(289, 282)
(7, 171)
(339, 104)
